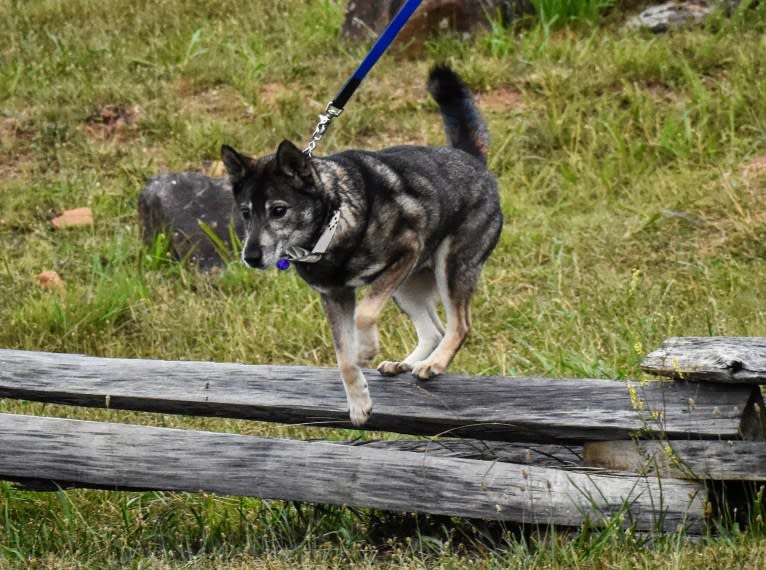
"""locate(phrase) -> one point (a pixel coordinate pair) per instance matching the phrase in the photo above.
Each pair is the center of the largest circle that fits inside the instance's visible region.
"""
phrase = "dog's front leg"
(339, 306)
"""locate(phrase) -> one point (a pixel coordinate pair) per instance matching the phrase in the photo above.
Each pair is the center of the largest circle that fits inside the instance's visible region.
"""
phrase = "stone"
(663, 17)
(73, 218)
(177, 203)
(365, 20)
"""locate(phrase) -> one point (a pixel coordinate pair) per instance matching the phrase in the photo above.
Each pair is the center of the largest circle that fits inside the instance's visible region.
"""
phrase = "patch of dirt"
(269, 94)
(218, 101)
(16, 168)
(112, 121)
(16, 158)
(754, 170)
(10, 131)
(398, 90)
(660, 92)
(499, 100)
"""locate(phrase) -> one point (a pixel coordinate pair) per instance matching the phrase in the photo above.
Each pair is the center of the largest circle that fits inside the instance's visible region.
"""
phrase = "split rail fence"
(530, 450)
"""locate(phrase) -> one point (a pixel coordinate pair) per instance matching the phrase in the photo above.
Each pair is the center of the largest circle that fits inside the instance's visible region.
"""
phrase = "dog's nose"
(253, 259)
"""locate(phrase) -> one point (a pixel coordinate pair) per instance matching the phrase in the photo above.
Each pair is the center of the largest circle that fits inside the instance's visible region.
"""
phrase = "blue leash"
(376, 51)
(336, 106)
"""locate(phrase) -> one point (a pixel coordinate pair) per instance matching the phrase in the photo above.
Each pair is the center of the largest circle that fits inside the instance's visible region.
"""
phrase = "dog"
(410, 222)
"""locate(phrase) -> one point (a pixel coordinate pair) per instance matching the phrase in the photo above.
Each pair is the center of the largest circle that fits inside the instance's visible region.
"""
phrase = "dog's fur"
(414, 222)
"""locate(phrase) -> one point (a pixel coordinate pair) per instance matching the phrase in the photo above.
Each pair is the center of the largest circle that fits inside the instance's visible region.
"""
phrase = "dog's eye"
(245, 211)
(278, 212)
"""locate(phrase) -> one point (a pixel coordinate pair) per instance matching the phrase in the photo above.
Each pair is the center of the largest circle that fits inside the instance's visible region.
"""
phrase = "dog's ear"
(293, 163)
(236, 164)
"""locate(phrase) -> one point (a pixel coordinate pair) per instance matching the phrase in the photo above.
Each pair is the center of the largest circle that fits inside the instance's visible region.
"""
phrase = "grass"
(632, 177)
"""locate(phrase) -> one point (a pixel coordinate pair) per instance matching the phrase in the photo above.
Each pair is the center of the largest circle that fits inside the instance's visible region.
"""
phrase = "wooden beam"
(693, 460)
(735, 360)
(131, 457)
(508, 409)
(537, 454)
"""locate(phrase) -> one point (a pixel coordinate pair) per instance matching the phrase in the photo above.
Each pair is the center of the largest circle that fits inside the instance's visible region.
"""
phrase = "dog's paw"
(357, 394)
(359, 412)
(426, 369)
(391, 368)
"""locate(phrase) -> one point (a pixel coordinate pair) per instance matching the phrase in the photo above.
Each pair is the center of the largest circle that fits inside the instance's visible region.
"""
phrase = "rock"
(366, 20)
(73, 218)
(51, 280)
(663, 17)
(176, 203)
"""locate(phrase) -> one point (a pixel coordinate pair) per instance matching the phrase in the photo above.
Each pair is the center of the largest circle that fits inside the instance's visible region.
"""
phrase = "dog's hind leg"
(370, 306)
(416, 298)
(458, 325)
(339, 307)
(456, 278)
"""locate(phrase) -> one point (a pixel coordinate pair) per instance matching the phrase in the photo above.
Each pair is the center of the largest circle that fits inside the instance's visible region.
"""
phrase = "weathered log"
(736, 360)
(693, 460)
(539, 455)
(507, 409)
(131, 457)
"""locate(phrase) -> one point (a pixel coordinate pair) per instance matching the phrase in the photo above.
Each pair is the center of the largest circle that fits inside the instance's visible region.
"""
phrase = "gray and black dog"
(411, 222)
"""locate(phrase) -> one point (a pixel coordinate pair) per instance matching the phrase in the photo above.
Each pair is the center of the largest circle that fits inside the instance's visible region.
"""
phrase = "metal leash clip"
(324, 123)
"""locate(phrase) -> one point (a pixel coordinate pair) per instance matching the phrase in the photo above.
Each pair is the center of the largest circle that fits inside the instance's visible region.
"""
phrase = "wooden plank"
(509, 409)
(568, 457)
(539, 455)
(131, 457)
(736, 360)
(693, 460)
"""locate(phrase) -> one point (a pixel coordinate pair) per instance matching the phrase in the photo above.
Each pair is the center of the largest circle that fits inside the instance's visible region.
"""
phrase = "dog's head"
(281, 201)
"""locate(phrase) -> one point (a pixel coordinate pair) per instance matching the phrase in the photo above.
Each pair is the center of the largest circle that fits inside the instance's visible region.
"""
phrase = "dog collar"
(302, 255)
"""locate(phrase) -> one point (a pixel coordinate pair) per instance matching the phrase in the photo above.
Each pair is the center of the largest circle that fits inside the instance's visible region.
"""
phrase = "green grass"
(558, 13)
(632, 209)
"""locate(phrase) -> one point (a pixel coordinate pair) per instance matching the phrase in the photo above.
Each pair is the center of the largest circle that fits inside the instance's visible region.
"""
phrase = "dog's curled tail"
(463, 122)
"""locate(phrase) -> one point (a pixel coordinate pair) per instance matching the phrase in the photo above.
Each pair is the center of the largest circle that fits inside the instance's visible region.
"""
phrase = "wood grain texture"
(736, 360)
(130, 457)
(496, 408)
(537, 454)
(694, 460)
